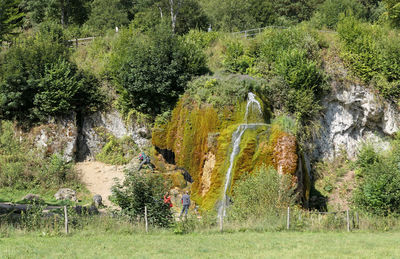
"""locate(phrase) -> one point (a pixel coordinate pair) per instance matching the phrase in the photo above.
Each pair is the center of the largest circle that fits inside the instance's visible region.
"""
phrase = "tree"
(152, 69)
(10, 17)
(37, 80)
(107, 14)
(181, 15)
(61, 11)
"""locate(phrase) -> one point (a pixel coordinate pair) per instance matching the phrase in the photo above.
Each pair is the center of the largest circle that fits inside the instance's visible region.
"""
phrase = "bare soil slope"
(99, 177)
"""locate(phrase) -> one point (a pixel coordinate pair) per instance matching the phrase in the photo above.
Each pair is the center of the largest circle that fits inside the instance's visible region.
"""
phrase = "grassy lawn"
(88, 244)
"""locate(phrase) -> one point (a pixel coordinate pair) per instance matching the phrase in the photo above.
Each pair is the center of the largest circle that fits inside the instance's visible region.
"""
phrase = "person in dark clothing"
(185, 204)
(145, 160)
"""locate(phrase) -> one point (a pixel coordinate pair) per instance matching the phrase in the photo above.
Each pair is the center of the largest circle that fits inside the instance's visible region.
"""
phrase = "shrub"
(152, 70)
(143, 190)
(262, 193)
(117, 151)
(23, 167)
(328, 13)
(373, 54)
(378, 191)
(37, 80)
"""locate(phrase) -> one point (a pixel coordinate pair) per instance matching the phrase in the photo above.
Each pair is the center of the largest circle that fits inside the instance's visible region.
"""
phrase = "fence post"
(358, 220)
(348, 220)
(288, 218)
(145, 218)
(66, 219)
(76, 42)
(221, 223)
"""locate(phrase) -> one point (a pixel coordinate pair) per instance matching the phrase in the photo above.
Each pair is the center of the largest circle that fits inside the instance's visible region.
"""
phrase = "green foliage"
(393, 11)
(201, 39)
(37, 80)
(23, 167)
(378, 191)
(106, 14)
(237, 15)
(10, 18)
(59, 11)
(328, 13)
(222, 92)
(143, 190)
(236, 60)
(64, 89)
(117, 151)
(189, 15)
(373, 53)
(262, 193)
(152, 70)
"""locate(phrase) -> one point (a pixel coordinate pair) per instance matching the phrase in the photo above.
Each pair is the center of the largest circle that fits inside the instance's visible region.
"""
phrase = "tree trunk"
(62, 7)
(174, 11)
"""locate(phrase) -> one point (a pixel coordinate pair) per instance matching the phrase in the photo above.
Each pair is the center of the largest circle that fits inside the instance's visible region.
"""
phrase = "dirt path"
(98, 177)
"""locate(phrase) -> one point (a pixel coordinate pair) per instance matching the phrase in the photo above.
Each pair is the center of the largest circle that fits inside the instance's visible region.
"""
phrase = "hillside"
(308, 99)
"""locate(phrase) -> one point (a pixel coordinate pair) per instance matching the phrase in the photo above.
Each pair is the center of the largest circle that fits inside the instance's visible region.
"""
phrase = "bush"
(328, 13)
(143, 190)
(37, 80)
(153, 70)
(378, 190)
(117, 151)
(373, 53)
(23, 167)
(263, 193)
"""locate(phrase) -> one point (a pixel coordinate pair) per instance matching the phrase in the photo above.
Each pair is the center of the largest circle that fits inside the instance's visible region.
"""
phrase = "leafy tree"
(10, 17)
(393, 11)
(143, 190)
(37, 80)
(152, 70)
(106, 14)
(61, 11)
(328, 13)
(234, 15)
(183, 16)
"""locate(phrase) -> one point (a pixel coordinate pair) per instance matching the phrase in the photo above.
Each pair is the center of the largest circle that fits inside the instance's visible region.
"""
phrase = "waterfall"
(251, 103)
(236, 139)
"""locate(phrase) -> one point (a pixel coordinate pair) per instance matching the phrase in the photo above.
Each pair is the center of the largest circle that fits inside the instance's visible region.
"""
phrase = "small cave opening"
(167, 154)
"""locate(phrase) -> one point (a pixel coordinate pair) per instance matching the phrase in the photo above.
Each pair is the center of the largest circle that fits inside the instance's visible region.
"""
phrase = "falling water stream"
(252, 106)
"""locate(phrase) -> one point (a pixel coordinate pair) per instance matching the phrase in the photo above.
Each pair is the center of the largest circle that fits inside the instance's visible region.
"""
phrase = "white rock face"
(91, 140)
(354, 115)
(58, 136)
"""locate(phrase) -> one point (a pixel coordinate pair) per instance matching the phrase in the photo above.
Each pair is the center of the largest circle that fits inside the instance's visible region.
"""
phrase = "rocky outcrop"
(354, 115)
(58, 136)
(95, 127)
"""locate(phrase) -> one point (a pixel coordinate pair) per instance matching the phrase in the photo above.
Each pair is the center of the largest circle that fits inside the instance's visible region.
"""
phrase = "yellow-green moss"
(187, 136)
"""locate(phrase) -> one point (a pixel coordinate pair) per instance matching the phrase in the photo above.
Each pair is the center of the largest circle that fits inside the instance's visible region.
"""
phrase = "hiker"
(167, 200)
(144, 160)
(185, 204)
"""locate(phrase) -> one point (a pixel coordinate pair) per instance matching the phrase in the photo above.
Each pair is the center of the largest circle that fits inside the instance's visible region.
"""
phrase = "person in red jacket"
(167, 200)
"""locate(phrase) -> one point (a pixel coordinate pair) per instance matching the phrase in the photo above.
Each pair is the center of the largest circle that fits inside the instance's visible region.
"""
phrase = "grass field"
(88, 244)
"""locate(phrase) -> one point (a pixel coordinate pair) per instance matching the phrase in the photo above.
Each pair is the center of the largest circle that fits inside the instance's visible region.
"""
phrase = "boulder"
(33, 198)
(65, 194)
(98, 200)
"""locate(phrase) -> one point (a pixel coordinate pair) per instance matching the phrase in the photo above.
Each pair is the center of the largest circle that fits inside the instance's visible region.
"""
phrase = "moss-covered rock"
(200, 136)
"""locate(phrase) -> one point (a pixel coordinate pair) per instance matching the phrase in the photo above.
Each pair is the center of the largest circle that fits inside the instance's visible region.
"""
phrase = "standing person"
(186, 203)
(167, 200)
